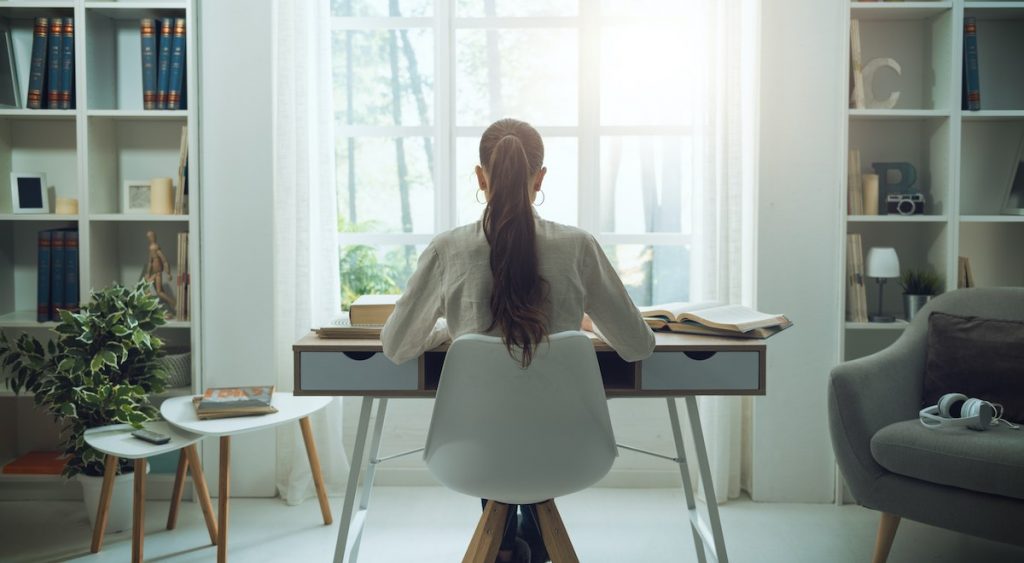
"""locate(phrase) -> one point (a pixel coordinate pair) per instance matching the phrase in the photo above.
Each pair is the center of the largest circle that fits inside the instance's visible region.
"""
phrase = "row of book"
(971, 88)
(163, 63)
(57, 279)
(183, 282)
(51, 82)
(856, 291)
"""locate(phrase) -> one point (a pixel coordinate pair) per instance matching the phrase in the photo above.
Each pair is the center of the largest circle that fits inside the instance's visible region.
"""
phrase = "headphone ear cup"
(948, 404)
(980, 411)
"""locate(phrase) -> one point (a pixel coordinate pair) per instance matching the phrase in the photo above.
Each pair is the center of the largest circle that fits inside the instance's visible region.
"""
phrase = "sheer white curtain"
(724, 242)
(306, 283)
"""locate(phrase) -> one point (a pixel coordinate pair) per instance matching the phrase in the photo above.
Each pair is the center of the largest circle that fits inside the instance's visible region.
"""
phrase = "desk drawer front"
(729, 371)
(336, 371)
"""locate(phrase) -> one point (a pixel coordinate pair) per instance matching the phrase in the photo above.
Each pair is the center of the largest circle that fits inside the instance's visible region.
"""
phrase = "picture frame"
(1013, 203)
(135, 197)
(29, 193)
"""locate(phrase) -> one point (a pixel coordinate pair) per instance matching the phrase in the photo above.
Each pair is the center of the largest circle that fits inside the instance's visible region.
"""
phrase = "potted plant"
(918, 288)
(98, 369)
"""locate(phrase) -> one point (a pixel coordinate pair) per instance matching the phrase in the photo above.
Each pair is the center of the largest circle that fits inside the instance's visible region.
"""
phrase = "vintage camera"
(904, 204)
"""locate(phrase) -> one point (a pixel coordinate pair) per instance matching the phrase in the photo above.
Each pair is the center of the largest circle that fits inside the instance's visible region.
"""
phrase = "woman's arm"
(414, 327)
(614, 316)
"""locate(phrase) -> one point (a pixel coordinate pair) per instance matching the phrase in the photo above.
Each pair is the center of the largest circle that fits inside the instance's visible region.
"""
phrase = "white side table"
(117, 442)
(180, 412)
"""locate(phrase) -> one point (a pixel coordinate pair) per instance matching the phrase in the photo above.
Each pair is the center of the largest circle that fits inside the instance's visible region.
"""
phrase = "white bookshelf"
(963, 158)
(88, 153)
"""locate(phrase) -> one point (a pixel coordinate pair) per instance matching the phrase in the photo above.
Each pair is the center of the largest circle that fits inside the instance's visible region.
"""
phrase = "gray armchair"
(971, 482)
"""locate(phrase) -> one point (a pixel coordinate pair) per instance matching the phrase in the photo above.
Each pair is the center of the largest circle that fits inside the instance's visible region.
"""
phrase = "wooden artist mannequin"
(156, 266)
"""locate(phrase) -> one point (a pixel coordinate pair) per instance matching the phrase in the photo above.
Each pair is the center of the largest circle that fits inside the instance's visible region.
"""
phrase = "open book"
(343, 328)
(229, 402)
(714, 318)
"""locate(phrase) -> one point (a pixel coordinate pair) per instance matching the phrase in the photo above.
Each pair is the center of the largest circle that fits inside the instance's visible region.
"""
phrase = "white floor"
(432, 524)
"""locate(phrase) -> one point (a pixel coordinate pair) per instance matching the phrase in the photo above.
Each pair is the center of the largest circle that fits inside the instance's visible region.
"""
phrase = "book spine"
(856, 66)
(71, 295)
(55, 43)
(56, 274)
(163, 61)
(148, 64)
(37, 72)
(971, 60)
(177, 73)
(67, 79)
(43, 277)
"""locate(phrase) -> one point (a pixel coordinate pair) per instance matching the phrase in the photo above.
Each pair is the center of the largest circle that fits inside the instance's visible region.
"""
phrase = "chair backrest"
(515, 435)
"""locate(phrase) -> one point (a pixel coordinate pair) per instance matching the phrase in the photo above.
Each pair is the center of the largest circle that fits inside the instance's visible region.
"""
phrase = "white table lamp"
(882, 264)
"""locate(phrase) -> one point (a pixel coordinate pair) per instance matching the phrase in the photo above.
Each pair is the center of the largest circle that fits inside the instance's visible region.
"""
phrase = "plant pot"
(912, 303)
(120, 516)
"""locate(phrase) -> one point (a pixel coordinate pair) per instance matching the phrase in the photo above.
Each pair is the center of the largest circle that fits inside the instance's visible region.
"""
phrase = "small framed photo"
(136, 196)
(28, 193)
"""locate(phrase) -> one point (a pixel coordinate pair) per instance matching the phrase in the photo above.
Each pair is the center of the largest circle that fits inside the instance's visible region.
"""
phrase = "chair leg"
(314, 467)
(483, 548)
(199, 480)
(556, 539)
(179, 489)
(103, 510)
(886, 533)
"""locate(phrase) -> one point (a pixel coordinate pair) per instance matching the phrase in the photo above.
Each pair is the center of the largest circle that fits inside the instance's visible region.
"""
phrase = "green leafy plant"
(920, 282)
(99, 369)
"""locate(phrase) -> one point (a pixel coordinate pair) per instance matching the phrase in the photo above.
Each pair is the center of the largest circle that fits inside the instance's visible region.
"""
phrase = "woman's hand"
(587, 324)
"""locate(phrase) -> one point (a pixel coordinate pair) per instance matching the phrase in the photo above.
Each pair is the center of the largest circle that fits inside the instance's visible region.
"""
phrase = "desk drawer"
(699, 371)
(355, 371)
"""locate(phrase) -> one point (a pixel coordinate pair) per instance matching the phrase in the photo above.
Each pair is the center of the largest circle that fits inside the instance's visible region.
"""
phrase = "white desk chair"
(520, 436)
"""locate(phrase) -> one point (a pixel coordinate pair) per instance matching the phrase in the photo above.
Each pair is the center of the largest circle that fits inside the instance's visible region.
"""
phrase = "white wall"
(798, 270)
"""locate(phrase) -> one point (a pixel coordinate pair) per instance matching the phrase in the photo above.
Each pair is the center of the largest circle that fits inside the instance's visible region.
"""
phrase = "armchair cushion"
(978, 357)
(991, 461)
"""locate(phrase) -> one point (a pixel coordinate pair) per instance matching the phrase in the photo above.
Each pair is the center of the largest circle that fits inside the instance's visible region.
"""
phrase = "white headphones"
(956, 410)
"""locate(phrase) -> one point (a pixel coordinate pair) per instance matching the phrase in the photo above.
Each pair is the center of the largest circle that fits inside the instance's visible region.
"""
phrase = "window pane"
(529, 74)
(377, 8)
(647, 184)
(649, 7)
(374, 195)
(652, 274)
(365, 84)
(648, 74)
(560, 184)
(515, 8)
(367, 269)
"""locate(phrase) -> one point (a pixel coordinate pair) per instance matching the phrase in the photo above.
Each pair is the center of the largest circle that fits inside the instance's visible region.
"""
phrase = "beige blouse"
(453, 281)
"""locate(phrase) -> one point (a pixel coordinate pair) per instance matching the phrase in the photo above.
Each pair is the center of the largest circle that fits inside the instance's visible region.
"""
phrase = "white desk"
(682, 365)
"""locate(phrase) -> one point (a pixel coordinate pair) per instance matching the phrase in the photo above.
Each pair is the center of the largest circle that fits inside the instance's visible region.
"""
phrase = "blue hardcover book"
(163, 61)
(54, 46)
(971, 62)
(67, 65)
(71, 270)
(43, 277)
(37, 69)
(56, 273)
(177, 75)
(148, 64)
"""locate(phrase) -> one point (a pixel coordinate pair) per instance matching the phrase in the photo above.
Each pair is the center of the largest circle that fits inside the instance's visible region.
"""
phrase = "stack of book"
(163, 63)
(51, 83)
(183, 282)
(366, 317)
(57, 273)
(230, 402)
(856, 292)
(714, 319)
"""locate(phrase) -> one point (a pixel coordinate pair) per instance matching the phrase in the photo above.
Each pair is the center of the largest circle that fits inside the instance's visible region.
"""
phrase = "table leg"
(684, 474)
(355, 466)
(705, 476)
(103, 510)
(371, 472)
(139, 510)
(179, 489)
(314, 467)
(199, 480)
(224, 488)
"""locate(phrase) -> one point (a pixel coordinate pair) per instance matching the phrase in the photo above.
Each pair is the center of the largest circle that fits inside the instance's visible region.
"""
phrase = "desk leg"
(684, 474)
(179, 489)
(371, 471)
(224, 488)
(139, 510)
(705, 476)
(355, 467)
(199, 480)
(103, 510)
(314, 467)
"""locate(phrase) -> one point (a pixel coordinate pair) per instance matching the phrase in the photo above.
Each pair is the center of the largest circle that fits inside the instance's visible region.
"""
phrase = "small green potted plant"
(919, 286)
(98, 369)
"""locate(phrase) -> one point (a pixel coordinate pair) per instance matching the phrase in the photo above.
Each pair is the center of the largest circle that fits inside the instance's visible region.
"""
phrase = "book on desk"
(714, 318)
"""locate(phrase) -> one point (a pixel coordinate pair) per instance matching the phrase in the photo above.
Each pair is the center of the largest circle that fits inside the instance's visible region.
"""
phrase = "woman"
(514, 275)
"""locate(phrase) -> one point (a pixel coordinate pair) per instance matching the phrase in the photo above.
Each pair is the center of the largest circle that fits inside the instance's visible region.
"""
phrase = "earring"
(543, 198)
(477, 196)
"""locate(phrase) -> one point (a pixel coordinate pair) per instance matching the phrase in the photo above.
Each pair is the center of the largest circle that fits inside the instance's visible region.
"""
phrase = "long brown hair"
(512, 153)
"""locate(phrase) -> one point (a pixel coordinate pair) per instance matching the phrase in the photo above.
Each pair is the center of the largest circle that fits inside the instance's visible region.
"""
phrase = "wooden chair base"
(886, 533)
(483, 548)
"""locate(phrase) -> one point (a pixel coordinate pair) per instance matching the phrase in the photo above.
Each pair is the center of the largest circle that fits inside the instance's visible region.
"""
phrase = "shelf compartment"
(21, 18)
(924, 143)
(1000, 42)
(122, 150)
(39, 145)
(900, 11)
(922, 46)
(988, 158)
(19, 267)
(994, 252)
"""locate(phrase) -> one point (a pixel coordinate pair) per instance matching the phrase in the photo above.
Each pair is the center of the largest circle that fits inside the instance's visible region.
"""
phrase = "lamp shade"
(883, 263)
